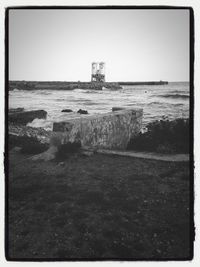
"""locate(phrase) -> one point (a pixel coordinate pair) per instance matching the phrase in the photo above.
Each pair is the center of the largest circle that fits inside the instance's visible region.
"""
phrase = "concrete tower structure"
(98, 72)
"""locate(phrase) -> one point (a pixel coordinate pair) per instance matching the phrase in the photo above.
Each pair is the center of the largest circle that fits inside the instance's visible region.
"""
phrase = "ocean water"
(158, 102)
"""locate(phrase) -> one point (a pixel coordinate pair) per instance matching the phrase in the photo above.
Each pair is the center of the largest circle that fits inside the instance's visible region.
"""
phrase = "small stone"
(87, 153)
(61, 164)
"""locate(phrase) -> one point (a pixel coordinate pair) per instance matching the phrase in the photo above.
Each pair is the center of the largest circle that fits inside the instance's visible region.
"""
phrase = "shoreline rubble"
(20, 117)
(109, 133)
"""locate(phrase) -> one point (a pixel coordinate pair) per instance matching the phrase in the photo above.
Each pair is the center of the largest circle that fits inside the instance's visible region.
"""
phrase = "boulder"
(67, 110)
(112, 130)
(23, 117)
(82, 111)
(40, 134)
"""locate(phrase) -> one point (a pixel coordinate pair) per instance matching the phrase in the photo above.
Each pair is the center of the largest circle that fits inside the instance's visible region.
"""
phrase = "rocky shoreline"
(112, 130)
(116, 130)
(20, 117)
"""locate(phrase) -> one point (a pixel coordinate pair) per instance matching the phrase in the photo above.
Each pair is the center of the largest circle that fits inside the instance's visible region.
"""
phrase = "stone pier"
(111, 130)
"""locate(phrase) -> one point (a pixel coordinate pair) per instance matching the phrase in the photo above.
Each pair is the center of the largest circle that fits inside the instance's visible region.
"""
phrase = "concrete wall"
(112, 130)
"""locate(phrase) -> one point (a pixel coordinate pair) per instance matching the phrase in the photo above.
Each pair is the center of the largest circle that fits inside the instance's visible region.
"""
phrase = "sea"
(158, 102)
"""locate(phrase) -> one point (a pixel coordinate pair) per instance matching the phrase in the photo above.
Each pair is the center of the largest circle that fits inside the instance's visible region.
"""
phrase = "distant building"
(98, 72)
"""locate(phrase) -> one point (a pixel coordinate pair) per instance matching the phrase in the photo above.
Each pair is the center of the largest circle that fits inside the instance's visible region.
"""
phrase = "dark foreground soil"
(98, 207)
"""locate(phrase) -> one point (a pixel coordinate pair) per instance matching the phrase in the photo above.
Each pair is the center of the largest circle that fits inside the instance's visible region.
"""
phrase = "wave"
(91, 103)
(155, 103)
(42, 92)
(178, 92)
(164, 104)
(92, 91)
(61, 100)
(175, 96)
(87, 91)
(43, 123)
(79, 90)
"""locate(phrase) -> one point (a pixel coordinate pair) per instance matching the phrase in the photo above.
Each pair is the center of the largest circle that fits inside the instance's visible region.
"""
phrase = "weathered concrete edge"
(147, 155)
(111, 130)
(137, 112)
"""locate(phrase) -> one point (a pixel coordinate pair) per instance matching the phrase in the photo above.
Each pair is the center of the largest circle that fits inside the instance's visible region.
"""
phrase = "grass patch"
(100, 206)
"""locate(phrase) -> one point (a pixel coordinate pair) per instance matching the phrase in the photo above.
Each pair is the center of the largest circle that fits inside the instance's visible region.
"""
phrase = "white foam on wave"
(41, 123)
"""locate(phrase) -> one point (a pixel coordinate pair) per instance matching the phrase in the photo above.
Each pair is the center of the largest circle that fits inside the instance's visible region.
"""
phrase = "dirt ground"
(98, 207)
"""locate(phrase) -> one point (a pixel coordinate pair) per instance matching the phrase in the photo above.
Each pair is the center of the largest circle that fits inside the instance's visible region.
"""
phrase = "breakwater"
(33, 85)
(144, 83)
(71, 85)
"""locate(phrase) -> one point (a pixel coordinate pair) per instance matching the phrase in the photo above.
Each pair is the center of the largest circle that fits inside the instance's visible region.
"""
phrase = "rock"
(82, 111)
(23, 117)
(117, 108)
(40, 134)
(112, 130)
(67, 110)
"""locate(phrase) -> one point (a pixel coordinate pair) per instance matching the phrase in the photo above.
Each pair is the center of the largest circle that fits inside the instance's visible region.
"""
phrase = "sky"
(136, 45)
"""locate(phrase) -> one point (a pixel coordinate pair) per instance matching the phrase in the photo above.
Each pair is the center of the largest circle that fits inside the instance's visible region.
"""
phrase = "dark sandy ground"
(98, 207)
